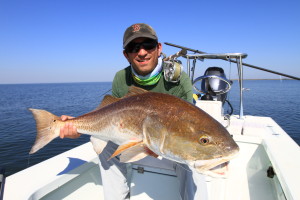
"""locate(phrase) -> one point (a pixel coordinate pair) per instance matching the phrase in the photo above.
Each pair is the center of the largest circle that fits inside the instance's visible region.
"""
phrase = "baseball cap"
(136, 31)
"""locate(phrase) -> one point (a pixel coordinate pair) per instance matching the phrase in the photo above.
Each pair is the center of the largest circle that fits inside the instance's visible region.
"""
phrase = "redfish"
(148, 123)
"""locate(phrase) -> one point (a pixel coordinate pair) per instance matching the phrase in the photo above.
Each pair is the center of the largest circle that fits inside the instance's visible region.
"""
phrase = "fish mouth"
(217, 167)
(219, 171)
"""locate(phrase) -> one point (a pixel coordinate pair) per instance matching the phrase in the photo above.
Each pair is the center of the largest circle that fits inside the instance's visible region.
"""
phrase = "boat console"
(262, 170)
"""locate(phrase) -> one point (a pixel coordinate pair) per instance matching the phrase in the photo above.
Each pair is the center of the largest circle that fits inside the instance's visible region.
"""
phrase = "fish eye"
(204, 140)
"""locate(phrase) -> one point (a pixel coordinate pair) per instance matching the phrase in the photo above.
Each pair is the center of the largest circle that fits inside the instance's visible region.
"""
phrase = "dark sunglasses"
(133, 47)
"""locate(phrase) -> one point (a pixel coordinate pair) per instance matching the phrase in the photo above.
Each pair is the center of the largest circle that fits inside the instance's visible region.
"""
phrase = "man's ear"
(159, 47)
(126, 55)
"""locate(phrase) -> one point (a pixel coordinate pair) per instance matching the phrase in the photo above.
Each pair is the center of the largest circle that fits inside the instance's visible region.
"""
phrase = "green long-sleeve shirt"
(123, 79)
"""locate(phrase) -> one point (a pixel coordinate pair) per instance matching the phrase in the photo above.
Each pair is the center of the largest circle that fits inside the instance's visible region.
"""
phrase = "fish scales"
(154, 123)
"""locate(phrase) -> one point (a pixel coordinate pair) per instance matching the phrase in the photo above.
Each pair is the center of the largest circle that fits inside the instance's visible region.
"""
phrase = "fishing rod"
(2, 182)
(245, 64)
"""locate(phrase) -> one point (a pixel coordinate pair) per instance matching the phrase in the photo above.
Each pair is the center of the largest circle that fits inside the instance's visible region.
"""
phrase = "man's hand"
(68, 131)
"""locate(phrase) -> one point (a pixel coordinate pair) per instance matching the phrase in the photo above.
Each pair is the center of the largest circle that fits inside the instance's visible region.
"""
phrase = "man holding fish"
(142, 50)
(145, 123)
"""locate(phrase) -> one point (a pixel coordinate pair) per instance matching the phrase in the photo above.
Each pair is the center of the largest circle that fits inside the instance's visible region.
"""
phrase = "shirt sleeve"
(115, 86)
(186, 88)
(121, 83)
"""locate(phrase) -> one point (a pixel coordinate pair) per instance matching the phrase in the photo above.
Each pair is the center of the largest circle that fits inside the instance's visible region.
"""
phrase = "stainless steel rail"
(245, 64)
(237, 56)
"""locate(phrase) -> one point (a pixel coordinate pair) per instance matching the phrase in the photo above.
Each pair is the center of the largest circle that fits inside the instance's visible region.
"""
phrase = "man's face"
(143, 61)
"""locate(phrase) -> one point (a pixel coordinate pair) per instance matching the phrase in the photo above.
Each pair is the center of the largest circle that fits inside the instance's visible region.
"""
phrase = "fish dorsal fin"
(107, 100)
(133, 90)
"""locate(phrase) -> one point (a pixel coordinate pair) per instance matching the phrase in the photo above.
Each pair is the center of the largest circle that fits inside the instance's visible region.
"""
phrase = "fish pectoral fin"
(154, 132)
(98, 144)
(136, 153)
(123, 147)
(133, 151)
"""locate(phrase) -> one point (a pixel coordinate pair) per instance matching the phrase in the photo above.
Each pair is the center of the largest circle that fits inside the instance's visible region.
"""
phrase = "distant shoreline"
(55, 83)
(268, 79)
(247, 79)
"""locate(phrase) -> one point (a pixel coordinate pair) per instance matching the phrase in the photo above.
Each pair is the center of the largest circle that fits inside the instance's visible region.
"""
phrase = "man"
(142, 50)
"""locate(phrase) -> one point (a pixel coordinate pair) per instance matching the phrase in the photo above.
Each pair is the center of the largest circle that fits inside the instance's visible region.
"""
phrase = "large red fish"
(148, 123)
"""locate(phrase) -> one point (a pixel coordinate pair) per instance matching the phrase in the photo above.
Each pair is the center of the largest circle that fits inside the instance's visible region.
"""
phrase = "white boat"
(265, 169)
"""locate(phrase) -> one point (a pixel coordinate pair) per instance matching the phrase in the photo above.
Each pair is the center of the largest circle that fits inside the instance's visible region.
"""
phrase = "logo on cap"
(136, 27)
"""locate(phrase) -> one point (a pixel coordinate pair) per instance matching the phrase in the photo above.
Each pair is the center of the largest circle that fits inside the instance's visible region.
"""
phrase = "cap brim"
(139, 36)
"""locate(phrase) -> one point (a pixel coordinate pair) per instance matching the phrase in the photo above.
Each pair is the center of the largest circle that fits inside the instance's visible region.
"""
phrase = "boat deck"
(263, 144)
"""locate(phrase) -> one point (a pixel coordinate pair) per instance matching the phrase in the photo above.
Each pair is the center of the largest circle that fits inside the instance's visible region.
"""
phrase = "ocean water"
(273, 98)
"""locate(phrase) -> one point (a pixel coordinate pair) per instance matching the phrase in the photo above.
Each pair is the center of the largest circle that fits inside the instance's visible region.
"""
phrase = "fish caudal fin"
(45, 126)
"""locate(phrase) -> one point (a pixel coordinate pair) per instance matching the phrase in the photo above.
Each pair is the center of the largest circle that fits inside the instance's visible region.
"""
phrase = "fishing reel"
(172, 70)
(214, 84)
(172, 67)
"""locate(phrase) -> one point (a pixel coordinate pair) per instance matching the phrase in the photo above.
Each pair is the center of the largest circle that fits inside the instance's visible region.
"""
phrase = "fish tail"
(46, 125)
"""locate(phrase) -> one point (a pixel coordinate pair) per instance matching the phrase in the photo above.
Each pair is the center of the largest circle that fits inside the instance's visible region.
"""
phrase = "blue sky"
(55, 41)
